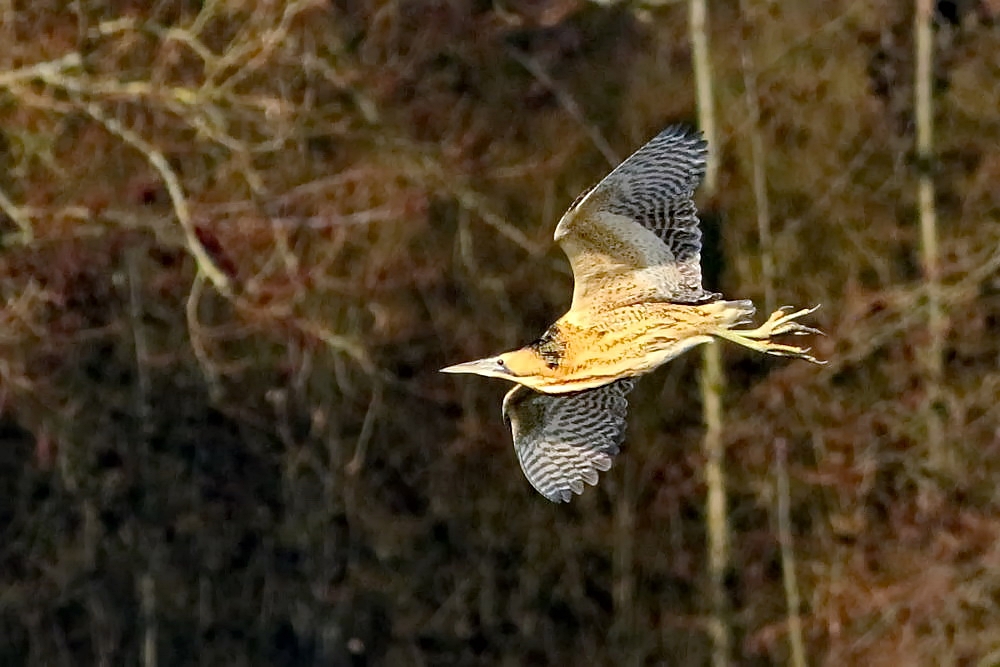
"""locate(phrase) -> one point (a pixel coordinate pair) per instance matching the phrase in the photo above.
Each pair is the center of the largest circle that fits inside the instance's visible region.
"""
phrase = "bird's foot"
(781, 322)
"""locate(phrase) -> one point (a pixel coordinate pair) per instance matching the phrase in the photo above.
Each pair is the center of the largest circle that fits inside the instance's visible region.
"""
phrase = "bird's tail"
(732, 313)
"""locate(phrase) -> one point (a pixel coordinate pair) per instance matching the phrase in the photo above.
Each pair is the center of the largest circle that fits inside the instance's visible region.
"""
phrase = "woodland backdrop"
(239, 238)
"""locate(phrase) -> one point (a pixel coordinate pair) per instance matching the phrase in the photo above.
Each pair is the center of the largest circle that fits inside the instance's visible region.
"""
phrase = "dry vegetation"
(239, 238)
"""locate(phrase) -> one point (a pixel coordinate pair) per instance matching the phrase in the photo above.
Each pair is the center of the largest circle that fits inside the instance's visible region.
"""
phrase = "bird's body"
(584, 350)
(634, 245)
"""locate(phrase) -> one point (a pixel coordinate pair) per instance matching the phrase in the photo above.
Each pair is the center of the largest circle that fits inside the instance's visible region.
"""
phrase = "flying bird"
(634, 245)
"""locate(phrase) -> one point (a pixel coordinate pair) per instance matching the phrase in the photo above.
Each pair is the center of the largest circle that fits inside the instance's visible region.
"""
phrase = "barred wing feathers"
(634, 236)
(564, 440)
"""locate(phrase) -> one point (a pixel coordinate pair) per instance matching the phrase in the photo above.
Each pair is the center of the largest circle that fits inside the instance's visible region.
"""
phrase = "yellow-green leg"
(779, 323)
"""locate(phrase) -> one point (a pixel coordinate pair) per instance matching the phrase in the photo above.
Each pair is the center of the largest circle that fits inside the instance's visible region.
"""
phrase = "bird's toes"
(795, 329)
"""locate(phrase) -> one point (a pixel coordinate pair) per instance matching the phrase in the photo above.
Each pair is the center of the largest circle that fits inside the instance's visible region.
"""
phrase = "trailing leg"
(779, 323)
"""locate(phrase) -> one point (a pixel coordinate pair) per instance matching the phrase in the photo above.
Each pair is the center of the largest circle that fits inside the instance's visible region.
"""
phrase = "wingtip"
(561, 496)
(684, 130)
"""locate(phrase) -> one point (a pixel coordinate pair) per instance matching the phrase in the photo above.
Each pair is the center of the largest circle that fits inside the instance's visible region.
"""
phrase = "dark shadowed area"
(238, 239)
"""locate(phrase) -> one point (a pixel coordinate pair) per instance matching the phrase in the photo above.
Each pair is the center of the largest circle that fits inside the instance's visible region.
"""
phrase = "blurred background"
(239, 238)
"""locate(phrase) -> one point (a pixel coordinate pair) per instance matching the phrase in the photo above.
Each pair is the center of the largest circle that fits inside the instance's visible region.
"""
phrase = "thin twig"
(712, 377)
(249, 57)
(763, 204)
(20, 217)
(357, 462)
(139, 342)
(147, 597)
(701, 61)
(712, 388)
(206, 265)
(195, 337)
(930, 255)
(789, 578)
(759, 163)
(623, 569)
(41, 71)
(569, 104)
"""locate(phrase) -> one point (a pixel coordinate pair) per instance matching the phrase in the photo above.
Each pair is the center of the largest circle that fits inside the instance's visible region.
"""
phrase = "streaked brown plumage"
(634, 245)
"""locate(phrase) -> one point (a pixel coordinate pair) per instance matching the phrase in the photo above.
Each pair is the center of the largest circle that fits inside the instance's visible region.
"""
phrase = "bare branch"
(20, 217)
(40, 70)
(206, 265)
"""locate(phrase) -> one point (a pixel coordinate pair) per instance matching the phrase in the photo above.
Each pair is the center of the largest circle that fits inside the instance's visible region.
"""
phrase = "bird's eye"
(501, 364)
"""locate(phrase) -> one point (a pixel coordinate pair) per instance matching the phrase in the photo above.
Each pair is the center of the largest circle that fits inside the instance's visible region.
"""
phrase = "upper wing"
(564, 440)
(634, 236)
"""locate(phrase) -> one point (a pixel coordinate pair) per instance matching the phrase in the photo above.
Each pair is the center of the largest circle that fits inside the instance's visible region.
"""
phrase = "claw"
(805, 331)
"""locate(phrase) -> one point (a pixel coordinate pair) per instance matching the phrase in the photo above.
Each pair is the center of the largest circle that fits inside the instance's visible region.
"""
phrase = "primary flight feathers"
(563, 441)
(635, 234)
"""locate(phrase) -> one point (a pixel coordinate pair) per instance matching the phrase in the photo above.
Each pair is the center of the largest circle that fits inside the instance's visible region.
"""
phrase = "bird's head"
(524, 366)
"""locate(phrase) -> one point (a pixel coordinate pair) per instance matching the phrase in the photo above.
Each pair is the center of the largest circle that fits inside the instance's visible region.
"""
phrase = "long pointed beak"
(478, 367)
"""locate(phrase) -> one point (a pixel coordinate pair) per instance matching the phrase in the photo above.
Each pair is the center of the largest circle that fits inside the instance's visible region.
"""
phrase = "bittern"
(634, 245)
